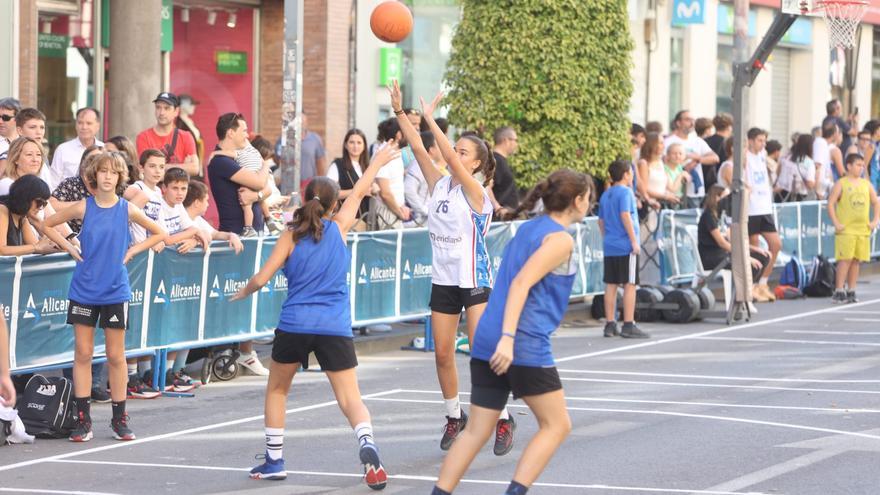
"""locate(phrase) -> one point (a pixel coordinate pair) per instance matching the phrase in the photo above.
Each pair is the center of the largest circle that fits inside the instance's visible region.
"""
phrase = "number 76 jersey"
(458, 237)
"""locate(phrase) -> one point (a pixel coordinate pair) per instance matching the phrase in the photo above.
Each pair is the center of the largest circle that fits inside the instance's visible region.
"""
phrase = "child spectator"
(619, 224)
(677, 176)
(196, 204)
(272, 206)
(774, 151)
(849, 207)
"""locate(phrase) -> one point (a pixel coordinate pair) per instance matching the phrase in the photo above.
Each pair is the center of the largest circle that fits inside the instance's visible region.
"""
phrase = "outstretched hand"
(387, 153)
(396, 97)
(428, 109)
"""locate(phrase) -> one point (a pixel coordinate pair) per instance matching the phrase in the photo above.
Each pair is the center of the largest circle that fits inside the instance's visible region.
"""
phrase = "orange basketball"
(391, 21)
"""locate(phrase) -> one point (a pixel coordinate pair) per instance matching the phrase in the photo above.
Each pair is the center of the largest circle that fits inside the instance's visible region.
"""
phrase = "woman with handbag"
(347, 170)
(797, 173)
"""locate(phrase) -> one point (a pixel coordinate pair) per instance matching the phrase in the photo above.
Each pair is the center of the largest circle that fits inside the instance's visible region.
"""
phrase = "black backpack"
(46, 408)
(822, 275)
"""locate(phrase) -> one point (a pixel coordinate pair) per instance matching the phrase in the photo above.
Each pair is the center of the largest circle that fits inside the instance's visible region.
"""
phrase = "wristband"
(508, 334)
(399, 112)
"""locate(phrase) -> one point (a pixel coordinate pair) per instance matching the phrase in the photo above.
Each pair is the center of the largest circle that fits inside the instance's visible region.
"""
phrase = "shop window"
(426, 53)
(724, 79)
(676, 68)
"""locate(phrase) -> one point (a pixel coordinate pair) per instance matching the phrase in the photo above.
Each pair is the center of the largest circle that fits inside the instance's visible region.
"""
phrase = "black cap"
(169, 98)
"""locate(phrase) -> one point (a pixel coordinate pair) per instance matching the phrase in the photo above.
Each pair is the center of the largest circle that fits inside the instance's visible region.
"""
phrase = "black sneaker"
(851, 296)
(82, 430)
(631, 331)
(452, 429)
(611, 329)
(100, 395)
(121, 431)
(374, 472)
(839, 296)
(504, 435)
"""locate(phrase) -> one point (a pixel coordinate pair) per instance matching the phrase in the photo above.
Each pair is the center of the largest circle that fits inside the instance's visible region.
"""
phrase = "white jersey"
(458, 237)
(758, 178)
(153, 211)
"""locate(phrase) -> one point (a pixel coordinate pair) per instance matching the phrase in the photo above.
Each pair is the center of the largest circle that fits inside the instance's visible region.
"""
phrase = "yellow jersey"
(854, 207)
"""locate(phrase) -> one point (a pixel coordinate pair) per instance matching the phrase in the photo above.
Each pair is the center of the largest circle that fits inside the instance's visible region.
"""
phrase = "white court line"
(173, 434)
(841, 410)
(828, 332)
(655, 412)
(792, 341)
(859, 312)
(430, 479)
(869, 320)
(722, 385)
(712, 377)
(744, 326)
(64, 492)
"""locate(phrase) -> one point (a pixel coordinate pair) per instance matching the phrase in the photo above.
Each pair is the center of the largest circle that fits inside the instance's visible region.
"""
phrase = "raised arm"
(432, 175)
(472, 187)
(347, 214)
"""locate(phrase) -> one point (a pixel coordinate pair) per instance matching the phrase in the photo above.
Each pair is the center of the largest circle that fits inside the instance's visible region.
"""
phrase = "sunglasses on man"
(6, 118)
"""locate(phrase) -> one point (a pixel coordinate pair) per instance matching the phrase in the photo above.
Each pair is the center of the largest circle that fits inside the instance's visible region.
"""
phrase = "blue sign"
(688, 12)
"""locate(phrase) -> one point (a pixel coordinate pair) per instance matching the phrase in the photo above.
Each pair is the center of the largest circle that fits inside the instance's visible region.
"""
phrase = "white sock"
(145, 366)
(168, 365)
(364, 433)
(453, 407)
(764, 280)
(504, 414)
(274, 443)
(132, 368)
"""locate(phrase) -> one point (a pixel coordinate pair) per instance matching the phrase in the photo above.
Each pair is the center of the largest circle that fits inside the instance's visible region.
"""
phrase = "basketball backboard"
(799, 7)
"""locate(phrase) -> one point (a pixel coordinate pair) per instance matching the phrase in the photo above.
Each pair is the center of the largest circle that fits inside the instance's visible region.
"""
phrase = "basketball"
(391, 21)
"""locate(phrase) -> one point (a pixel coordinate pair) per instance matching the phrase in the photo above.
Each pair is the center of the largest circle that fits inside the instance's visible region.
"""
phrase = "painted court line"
(712, 377)
(868, 320)
(722, 385)
(840, 410)
(828, 332)
(654, 412)
(173, 434)
(408, 477)
(63, 492)
(652, 343)
(792, 341)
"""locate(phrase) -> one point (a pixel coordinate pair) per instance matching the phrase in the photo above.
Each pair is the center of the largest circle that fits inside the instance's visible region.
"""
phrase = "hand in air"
(428, 109)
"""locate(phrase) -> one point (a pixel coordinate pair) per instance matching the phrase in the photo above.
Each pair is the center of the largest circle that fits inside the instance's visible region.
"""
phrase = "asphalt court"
(786, 403)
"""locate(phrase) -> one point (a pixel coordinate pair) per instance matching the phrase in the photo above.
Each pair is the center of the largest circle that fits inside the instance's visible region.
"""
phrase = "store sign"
(52, 45)
(390, 65)
(231, 62)
(688, 12)
(167, 43)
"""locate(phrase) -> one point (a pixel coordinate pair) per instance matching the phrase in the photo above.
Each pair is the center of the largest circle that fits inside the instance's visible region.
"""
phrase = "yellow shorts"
(848, 247)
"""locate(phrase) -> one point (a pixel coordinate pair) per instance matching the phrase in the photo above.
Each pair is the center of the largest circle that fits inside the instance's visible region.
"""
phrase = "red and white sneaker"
(374, 472)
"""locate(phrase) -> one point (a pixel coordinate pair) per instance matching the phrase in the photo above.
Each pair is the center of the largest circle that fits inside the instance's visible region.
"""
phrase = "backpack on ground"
(794, 273)
(787, 292)
(822, 275)
(46, 408)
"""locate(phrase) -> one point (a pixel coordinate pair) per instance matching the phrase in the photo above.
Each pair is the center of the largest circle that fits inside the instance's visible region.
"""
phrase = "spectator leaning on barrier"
(504, 192)
(849, 207)
(232, 185)
(677, 177)
(9, 107)
(797, 172)
(19, 213)
(701, 160)
(653, 171)
(761, 224)
(196, 204)
(65, 161)
(178, 145)
(391, 209)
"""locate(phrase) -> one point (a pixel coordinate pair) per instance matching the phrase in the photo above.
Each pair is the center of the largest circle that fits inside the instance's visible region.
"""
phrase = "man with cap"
(68, 155)
(178, 145)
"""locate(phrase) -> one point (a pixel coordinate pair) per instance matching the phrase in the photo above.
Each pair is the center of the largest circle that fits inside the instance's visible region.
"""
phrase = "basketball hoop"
(842, 18)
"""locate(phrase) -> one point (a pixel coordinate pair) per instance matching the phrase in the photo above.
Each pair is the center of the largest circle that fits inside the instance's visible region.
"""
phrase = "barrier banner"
(415, 273)
(496, 239)
(788, 227)
(826, 231)
(810, 231)
(42, 334)
(375, 278)
(592, 254)
(271, 297)
(228, 272)
(175, 297)
(137, 279)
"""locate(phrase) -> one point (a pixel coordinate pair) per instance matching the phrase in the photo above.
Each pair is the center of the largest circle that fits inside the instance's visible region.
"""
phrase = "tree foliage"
(557, 71)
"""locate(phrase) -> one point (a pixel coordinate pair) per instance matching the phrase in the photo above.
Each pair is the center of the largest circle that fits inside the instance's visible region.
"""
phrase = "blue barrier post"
(429, 335)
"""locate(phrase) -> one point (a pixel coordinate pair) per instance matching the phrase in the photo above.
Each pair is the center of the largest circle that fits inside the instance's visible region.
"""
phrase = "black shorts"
(106, 316)
(450, 299)
(334, 353)
(761, 223)
(621, 270)
(490, 390)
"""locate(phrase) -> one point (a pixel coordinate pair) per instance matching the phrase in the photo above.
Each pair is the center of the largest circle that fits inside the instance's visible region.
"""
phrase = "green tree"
(558, 71)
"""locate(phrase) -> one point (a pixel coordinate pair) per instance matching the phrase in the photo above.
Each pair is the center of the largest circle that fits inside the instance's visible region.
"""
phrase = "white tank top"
(657, 178)
(761, 193)
(153, 210)
(721, 180)
(458, 237)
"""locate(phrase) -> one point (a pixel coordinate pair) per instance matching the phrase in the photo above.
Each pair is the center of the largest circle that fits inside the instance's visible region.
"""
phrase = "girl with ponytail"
(459, 214)
(511, 348)
(316, 317)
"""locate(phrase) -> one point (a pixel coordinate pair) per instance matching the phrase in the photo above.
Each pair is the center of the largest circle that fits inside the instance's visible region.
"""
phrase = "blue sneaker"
(374, 472)
(269, 470)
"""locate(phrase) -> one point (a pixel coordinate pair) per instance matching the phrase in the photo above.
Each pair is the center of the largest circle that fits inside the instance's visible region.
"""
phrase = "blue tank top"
(318, 301)
(101, 278)
(544, 307)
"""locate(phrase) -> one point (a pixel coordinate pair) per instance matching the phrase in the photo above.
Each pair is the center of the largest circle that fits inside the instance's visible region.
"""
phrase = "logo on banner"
(137, 297)
(179, 292)
(415, 270)
(278, 283)
(50, 304)
(231, 284)
(159, 298)
(376, 274)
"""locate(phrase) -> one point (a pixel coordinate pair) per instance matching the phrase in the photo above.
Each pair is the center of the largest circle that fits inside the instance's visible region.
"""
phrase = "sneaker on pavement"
(121, 431)
(631, 331)
(178, 382)
(851, 296)
(137, 389)
(100, 395)
(768, 292)
(453, 427)
(611, 329)
(248, 232)
(504, 435)
(839, 296)
(374, 472)
(758, 294)
(82, 430)
(269, 469)
(252, 363)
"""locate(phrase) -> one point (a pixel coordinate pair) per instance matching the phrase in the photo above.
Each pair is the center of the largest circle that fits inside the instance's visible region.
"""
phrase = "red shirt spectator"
(180, 151)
